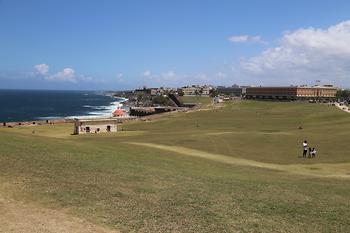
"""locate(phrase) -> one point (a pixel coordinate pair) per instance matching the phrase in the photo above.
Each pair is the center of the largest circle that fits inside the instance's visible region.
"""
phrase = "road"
(343, 108)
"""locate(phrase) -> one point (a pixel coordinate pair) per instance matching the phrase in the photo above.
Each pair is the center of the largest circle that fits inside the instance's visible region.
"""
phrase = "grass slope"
(130, 187)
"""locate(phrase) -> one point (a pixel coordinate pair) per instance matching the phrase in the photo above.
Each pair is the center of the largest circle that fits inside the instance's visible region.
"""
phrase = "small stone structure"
(86, 126)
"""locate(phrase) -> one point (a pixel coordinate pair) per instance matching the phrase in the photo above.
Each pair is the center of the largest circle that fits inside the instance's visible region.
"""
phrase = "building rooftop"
(95, 119)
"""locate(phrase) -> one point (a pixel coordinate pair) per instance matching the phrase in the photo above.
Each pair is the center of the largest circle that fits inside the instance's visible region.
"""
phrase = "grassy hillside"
(263, 131)
(190, 172)
(196, 99)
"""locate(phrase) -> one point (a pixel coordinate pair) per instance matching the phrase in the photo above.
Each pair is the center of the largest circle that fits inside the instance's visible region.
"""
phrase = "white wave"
(122, 99)
(49, 118)
(100, 107)
(103, 111)
(87, 117)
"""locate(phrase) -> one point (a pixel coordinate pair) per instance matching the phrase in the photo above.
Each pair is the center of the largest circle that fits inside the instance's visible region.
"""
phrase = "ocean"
(30, 105)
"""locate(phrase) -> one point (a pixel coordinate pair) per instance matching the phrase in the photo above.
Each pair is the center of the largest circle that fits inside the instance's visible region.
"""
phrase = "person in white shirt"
(305, 147)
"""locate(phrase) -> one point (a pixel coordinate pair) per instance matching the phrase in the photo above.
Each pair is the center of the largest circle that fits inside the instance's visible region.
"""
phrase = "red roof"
(118, 112)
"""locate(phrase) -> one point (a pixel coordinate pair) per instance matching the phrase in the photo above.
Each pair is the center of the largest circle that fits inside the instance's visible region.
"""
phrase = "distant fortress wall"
(293, 92)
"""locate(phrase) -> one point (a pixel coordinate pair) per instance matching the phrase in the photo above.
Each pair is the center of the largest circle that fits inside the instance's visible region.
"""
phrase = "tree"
(213, 93)
(343, 94)
(161, 100)
(180, 92)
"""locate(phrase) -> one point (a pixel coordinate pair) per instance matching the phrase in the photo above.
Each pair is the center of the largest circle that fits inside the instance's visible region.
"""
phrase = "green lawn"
(196, 99)
(263, 131)
(138, 188)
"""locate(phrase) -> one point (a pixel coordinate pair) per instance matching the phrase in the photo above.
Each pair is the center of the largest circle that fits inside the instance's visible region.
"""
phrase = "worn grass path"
(323, 170)
(23, 217)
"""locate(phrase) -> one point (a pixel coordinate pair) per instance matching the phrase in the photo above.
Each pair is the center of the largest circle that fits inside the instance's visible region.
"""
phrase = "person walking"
(305, 148)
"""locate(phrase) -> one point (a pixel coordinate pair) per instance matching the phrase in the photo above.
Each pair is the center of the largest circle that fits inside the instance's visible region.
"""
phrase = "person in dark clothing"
(309, 155)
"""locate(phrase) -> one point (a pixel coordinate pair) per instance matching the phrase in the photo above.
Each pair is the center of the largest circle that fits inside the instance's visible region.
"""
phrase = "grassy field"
(196, 99)
(231, 168)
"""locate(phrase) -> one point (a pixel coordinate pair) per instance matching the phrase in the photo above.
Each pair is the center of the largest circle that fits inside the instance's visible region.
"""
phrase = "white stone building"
(86, 126)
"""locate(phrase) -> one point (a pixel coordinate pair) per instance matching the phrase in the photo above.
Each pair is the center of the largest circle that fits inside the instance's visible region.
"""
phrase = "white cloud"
(146, 73)
(41, 69)
(168, 76)
(120, 78)
(305, 55)
(245, 38)
(86, 78)
(67, 74)
(221, 75)
(201, 77)
(172, 79)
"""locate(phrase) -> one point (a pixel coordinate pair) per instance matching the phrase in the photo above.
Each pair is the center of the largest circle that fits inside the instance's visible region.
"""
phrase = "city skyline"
(123, 45)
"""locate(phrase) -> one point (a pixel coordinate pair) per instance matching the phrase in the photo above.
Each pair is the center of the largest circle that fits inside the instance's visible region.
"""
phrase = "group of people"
(308, 151)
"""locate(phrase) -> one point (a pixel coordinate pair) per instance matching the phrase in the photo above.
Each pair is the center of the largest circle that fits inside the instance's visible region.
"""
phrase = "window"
(108, 128)
(87, 129)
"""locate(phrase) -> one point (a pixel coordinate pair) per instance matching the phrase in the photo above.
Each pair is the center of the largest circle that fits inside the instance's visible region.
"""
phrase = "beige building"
(86, 126)
(197, 90)
(293, 92)
(317, 91)
(192, 90)
(206, 90)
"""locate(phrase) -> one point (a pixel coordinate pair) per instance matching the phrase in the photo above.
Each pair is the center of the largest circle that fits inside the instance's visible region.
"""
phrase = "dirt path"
(22, 217)
(316, 170)
(343, 108)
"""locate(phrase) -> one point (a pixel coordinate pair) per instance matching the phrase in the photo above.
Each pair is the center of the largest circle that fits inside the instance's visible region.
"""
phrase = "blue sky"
(127, 44)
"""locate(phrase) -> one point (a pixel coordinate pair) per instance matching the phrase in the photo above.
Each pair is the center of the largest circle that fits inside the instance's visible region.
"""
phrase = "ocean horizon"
(31, 105)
